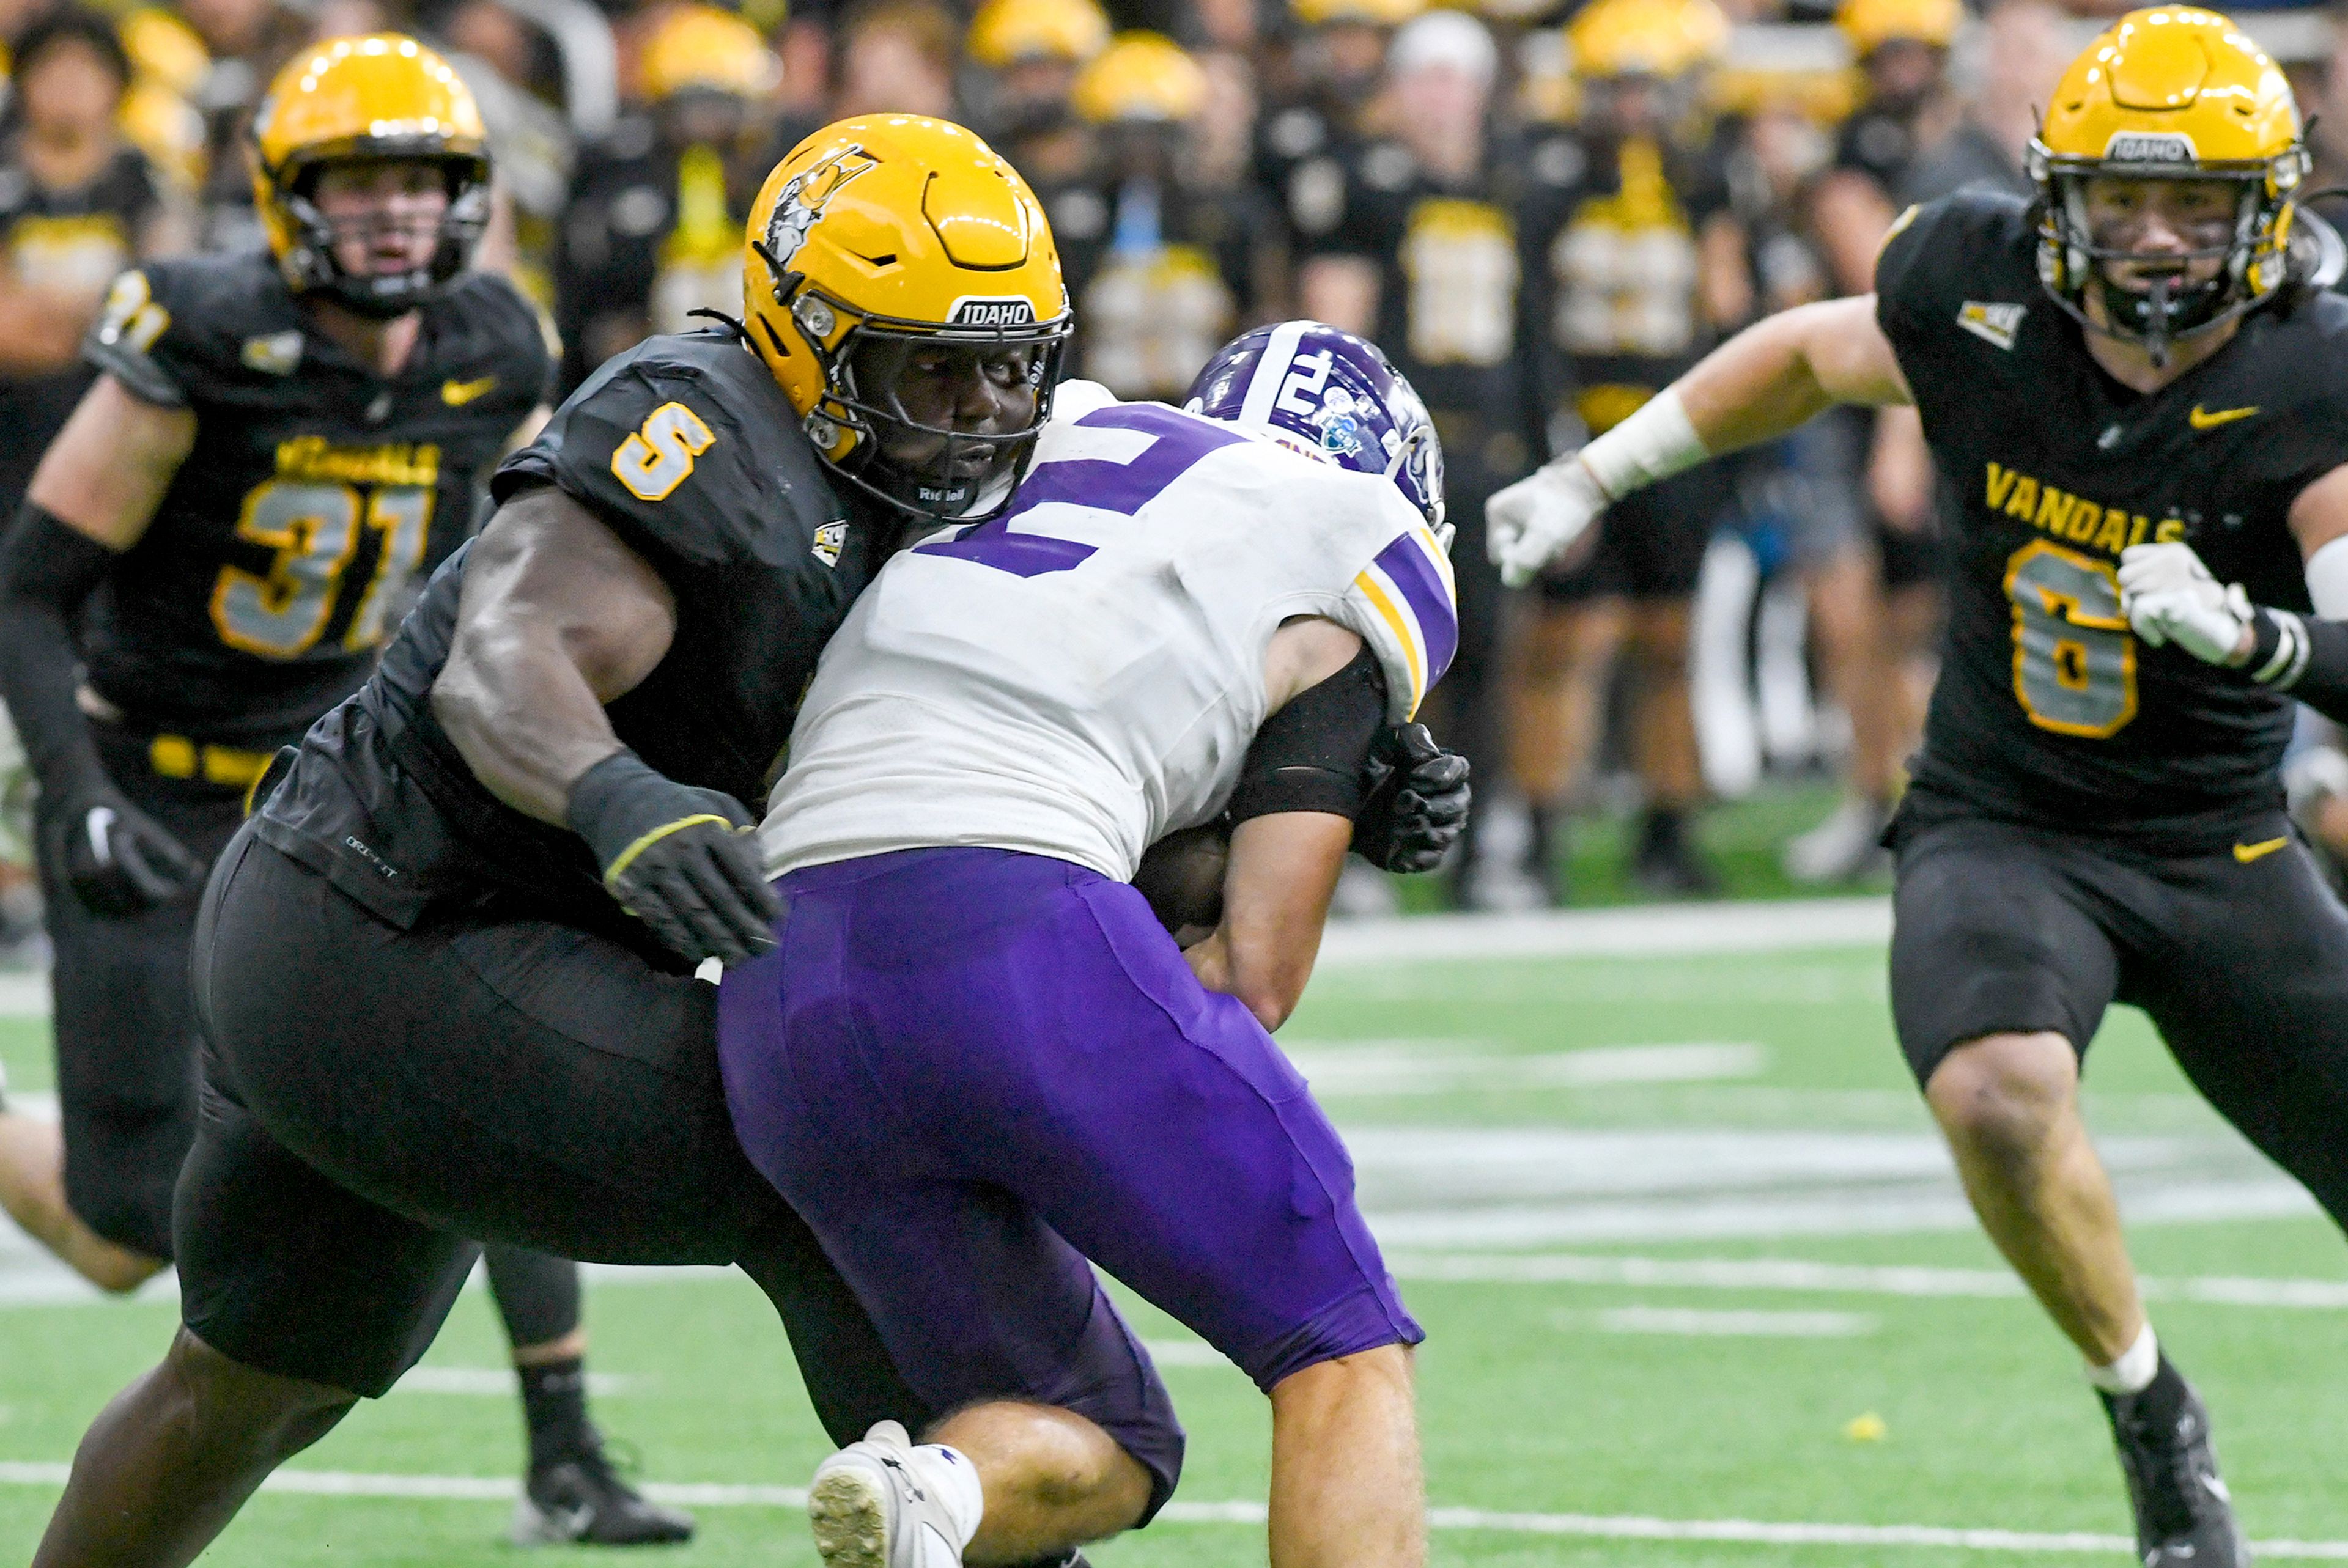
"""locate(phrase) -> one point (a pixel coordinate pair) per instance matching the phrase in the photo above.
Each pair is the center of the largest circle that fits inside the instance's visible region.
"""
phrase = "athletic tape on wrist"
(1657, 441)
(2287, 661)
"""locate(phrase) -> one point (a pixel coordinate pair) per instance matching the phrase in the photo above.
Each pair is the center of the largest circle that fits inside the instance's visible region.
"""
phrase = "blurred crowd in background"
(1543, 213)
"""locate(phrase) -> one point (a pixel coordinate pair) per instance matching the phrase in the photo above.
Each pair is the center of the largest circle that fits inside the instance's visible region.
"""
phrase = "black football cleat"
(581, 1500)
(2184, 1515)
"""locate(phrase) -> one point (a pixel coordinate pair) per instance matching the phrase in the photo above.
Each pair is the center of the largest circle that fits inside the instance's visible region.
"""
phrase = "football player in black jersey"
(1631, 253)
(77, 204)
(1419, 254)
(2139, 385)
(489, 877)
(276, 446)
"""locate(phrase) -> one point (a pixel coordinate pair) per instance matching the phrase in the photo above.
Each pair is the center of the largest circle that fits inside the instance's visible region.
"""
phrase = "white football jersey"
(1083, 674)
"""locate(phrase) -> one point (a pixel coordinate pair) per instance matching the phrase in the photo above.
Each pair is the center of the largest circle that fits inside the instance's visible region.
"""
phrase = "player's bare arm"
(1763, 382)
(557, 618)
(107, 471)
(1283, 866)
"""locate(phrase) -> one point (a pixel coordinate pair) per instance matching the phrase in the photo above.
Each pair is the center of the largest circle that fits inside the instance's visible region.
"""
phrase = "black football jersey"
(1450, 276)
(316, 494)
(2048, 710)
(686, 449)
(70, 242)
(1610, 229)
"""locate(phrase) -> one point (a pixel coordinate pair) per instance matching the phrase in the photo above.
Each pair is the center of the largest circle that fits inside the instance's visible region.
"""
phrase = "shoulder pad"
(685, 445)
(1969, 244)
(484, 317)
(176, 332)
(1404, 604)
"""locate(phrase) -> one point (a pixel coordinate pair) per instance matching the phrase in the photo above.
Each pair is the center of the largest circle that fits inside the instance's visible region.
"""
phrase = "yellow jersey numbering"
(2073, 657)
(653, 461)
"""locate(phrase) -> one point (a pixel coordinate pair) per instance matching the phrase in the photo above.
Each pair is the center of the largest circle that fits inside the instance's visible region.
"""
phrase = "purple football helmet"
(1314, 386)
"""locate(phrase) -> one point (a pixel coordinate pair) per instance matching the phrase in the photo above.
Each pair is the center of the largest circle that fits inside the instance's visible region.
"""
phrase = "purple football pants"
(971, 1069)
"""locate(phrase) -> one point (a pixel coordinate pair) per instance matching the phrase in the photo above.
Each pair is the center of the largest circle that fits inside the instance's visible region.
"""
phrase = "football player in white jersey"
(977, 1060)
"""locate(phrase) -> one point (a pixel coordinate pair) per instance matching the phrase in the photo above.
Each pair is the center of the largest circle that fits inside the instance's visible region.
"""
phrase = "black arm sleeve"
(1309, 756)
(2304, 656)
(46, 570)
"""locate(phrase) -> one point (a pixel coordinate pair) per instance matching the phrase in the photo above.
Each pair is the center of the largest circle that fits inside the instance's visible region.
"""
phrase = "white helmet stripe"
(1263, 387)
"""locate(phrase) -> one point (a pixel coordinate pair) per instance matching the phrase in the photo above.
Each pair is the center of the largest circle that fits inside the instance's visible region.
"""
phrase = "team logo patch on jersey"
(2150, 147)
(1991, 322)
(829, 540)
(804, 200)
(1000, 311)
(273, 353)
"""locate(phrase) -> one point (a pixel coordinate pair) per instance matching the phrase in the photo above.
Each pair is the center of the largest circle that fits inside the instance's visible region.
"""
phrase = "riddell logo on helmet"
(2150, 147)
(1013, 311)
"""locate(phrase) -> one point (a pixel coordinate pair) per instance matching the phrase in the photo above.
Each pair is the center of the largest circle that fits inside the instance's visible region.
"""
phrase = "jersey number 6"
(2073, 659)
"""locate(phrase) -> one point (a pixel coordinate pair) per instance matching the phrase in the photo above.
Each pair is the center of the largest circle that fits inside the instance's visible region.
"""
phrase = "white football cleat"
(872, 1507)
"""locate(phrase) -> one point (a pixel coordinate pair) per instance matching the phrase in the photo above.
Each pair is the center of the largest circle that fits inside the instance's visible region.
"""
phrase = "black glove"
(113, 857)
(1416, 805)
(679, 858)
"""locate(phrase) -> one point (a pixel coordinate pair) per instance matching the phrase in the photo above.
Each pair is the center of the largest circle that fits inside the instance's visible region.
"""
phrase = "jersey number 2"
(1098, 484)
(2073, 659)
(314, 529)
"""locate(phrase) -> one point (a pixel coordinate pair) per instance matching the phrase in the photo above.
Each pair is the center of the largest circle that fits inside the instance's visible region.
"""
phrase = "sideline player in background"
(1631, 251)
(2096, 813)
(1416, 248)
(211, 551)
(977, 1060)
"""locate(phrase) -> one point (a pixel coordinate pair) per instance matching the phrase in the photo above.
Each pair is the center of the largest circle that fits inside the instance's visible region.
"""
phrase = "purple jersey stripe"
(1429, 598)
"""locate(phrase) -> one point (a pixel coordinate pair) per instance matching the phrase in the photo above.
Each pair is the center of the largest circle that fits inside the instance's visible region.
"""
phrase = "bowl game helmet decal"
(381, 97)
(886, 235)
(2172, 93)
(1334, 395)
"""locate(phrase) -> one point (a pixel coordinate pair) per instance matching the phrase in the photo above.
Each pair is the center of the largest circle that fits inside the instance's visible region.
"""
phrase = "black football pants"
(2240, 957)
(372, 1096)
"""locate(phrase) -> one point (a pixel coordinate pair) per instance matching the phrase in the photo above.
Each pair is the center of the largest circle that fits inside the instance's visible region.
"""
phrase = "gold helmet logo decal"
(804, 198)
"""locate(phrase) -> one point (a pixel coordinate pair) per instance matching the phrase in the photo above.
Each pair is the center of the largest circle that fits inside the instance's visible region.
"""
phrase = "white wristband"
(1655, 442)
(2327, 580)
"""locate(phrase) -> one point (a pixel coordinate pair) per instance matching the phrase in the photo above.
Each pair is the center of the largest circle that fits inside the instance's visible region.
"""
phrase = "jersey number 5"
(2073, 659)
(314, 529)
(653, 461)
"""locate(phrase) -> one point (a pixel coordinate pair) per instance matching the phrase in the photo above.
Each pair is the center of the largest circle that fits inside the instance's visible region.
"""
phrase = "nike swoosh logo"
(2246, 853)
(457, 393)
(2201, 418)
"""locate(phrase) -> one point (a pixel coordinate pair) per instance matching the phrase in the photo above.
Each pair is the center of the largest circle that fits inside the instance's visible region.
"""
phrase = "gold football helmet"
(2172, 93)
(1355, 13)
(1871, 24)
(700, 48)
(1007, 33)
(381, 97)
(1143, 78)
(1661, 38)
(888, 235)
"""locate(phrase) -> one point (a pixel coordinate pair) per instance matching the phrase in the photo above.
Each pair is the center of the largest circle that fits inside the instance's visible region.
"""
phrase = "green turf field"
(1698, 1288)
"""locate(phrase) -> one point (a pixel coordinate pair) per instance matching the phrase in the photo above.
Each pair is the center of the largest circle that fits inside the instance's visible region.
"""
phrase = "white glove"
(1538, 518)
(2170, 596)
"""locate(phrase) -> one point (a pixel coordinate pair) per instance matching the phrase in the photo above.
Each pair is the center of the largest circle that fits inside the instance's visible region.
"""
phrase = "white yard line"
(1830, 1278)
(1656, 931)
(1692, 1322)
(1604, 1527)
